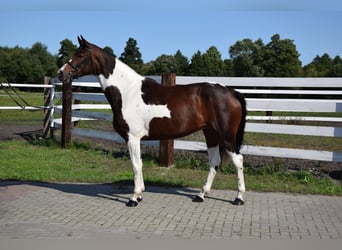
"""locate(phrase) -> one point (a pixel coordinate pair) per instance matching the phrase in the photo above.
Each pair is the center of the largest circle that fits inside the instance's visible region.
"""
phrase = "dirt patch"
(22, 131)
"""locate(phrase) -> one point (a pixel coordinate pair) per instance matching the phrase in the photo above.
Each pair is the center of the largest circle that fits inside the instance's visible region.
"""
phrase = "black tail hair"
(241, 129)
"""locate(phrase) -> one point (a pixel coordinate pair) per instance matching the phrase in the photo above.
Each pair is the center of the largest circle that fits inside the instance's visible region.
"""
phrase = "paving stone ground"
(33, 210)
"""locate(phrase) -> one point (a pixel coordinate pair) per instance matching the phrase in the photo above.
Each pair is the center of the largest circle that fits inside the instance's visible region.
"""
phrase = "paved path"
(45, 210)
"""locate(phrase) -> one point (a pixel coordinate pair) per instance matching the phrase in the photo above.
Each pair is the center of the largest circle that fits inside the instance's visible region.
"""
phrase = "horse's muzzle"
(65, 77)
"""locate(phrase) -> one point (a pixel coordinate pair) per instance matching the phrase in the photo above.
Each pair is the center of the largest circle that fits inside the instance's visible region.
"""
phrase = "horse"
(145, 110)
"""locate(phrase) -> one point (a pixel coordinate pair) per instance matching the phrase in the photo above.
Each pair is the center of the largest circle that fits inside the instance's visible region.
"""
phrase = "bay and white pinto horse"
(145, 110)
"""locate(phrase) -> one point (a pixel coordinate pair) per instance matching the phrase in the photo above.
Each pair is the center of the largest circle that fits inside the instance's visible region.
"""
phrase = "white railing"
(48, 107)
(287, 100)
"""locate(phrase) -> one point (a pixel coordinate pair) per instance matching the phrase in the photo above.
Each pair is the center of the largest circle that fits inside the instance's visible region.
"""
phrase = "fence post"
(47, 111)
(166, 146)
(66, 114)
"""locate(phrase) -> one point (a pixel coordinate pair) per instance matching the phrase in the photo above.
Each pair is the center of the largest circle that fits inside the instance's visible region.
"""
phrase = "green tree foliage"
(197, 64)
(109, 50)
(228, 64)
(324, 66)
(278, 58)
(214, 63)
(46, 59)
(26, 65)
(165, 64)
(281, 58)
(177, 63)
(247, 56)
(209, 63)
(132, 56)
(65, 52)
(182, 64)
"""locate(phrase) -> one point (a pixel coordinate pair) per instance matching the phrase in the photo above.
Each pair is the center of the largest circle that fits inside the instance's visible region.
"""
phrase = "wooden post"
(47, 112)
(66, 114)
(269, 113)
(166, 146)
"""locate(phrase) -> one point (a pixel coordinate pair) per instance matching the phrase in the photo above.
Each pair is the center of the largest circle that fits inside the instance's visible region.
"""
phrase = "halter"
(77, 67)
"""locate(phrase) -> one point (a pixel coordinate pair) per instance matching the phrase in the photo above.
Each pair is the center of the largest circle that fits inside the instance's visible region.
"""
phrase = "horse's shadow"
(118, 191)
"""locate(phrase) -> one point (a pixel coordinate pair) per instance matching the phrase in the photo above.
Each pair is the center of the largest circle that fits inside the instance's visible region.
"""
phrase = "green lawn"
(43, 160)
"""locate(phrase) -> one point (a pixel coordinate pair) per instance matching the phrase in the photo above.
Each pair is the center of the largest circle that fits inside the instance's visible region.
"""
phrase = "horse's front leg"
(134, 151)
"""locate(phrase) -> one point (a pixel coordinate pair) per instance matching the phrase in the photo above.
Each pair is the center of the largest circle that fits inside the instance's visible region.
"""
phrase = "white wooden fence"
(318, 87)
(48, 107)
(284, 97)
(288, 95)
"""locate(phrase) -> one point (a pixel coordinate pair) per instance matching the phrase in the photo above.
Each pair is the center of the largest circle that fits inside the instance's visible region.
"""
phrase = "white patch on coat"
(214, 161)
(63, 67)
(238, 163)
(135, 111)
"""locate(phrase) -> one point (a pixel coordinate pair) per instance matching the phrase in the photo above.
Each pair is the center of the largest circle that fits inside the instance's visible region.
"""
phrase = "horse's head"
(81, 63)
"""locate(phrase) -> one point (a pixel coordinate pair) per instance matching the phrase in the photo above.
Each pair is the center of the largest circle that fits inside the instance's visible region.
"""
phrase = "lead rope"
(23, 107)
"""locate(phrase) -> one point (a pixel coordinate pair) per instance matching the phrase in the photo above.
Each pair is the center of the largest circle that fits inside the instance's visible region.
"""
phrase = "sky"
(163, 27)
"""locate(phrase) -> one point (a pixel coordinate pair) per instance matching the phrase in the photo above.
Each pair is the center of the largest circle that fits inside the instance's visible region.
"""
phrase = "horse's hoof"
(197, 198)
(132, 203)
(139, 199)
(238, 202)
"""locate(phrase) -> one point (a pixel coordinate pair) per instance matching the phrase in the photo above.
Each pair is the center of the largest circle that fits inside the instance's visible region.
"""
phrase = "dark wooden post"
(47, 112)
(269, 113)
(66, 114)
(166, 146)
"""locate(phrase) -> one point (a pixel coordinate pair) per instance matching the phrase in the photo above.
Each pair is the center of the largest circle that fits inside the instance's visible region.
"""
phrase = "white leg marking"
(238, 163)
(214, 162)
(134, 150)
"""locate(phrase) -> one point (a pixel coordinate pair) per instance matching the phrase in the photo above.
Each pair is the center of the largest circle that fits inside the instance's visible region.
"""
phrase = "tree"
(229, 67)
(182, 64)
(4, 64)
(247, 57)
(65, 52)
(337, 67)
(281, 58)
(176, 63)
(132, 56)
(324, 66)
(109, 50)
(44, 58)
(209, 63)
(165, 64)
(197, 65)
(214, 65)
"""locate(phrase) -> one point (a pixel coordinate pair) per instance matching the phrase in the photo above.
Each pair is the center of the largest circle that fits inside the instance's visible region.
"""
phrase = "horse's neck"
(123, 77)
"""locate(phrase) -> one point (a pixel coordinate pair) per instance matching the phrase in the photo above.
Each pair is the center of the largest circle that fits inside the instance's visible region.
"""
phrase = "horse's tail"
(241, 129)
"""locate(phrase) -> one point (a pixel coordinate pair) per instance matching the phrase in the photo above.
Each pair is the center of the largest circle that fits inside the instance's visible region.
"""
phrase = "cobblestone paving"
(51, 210)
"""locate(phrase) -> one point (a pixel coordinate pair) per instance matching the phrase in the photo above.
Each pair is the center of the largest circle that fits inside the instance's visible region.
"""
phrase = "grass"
(43, 160)
(21, 116)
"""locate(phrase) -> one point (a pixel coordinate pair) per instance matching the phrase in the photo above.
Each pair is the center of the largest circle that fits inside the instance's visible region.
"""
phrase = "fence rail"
(48, 107)
(290, 95)
(308, 96)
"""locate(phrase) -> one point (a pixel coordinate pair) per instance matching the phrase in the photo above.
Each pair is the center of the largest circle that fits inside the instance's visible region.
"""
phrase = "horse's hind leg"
(238, 163)
(214, 162)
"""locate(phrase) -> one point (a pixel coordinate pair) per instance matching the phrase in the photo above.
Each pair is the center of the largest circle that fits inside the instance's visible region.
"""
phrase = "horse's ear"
(83, 42)
(80, 40)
